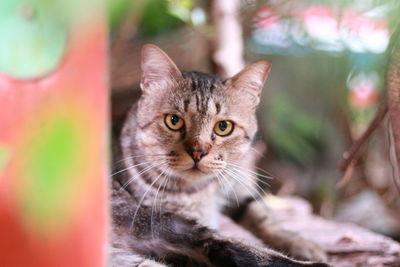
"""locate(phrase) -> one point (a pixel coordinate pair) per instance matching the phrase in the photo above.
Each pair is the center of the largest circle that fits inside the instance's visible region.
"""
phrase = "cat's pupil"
(174, 119)
(223, 125)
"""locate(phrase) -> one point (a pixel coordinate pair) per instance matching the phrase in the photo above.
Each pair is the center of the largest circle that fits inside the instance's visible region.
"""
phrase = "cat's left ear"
(158, 70)
(251, 79)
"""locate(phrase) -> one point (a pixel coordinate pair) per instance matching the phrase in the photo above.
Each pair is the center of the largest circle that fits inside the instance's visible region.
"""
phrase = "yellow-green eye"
(223, 128)
(174, 122)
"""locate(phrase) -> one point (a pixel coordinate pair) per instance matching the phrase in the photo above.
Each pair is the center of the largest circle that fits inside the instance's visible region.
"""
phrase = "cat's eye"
(174, 122)
(223, 128)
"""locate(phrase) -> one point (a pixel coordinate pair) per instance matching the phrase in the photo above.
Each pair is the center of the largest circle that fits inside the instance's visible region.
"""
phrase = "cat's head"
(193, 123)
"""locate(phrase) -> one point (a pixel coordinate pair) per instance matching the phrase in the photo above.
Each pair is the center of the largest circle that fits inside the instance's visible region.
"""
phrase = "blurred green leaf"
(4, 154)
(181, 9)
(31, 31)
(117, 10)
(157, 20)
(294, 134)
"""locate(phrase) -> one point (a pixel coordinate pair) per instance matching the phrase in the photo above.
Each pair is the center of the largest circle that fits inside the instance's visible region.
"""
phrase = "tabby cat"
(188, 133)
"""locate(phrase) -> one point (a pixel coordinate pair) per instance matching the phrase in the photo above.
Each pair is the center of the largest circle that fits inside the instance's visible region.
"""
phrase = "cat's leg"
(257, 219)
(177, 240)
(231, 229)
(181, 241)
(120, 257)
(120, 251)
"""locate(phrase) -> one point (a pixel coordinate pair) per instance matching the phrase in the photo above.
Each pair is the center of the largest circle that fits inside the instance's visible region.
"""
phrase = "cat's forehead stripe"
(217, 107)
(201, 81)
(202, 87)
(186, 103)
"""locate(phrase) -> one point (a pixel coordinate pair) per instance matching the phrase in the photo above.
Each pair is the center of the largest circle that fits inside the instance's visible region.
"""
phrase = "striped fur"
(166, 207)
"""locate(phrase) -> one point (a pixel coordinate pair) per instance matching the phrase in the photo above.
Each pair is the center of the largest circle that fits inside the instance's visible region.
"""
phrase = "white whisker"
(253, 172)
(133, 166)
(163, 192)
(221, 184)
(249, 174)
(147, 169)
(255, 150)
(142, 198)
(256, 184)
(138, 156)
(232, 188)
(155, 200)
(245, 186)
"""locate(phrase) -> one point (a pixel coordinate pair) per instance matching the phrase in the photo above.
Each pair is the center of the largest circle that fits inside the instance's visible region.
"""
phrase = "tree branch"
(351, 156)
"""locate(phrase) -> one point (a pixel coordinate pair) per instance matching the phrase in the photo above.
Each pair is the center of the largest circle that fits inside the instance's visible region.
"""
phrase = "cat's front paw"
(305, 249)
(151, 263)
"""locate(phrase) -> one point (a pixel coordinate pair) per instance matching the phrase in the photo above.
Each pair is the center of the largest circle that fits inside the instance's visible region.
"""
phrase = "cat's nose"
(197, 150)
(197, 154)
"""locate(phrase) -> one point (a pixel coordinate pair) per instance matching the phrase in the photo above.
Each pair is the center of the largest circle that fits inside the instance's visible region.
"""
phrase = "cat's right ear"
(250, 81)
(158, 70)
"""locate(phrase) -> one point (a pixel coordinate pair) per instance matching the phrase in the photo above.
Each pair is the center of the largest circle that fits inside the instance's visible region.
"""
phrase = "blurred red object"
(53, 156)
(363, 97)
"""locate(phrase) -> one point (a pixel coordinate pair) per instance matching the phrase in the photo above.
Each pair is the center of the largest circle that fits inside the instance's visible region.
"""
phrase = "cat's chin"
(196, 173)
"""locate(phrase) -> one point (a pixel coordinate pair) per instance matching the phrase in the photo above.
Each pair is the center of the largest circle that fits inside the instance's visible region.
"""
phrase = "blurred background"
(327, 83)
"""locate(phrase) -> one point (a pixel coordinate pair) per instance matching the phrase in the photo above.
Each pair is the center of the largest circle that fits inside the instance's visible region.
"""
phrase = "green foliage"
(157, 20)
(4, 154)
(293, 133)
(54, 166)
(116, 11)
(181, 9)
(31, 31)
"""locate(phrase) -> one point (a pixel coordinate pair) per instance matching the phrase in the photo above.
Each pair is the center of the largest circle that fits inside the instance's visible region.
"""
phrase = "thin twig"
(393, 92)
(352, 154)
(392, 158)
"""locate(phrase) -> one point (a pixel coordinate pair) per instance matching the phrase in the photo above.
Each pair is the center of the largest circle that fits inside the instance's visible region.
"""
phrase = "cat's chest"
(202, 206)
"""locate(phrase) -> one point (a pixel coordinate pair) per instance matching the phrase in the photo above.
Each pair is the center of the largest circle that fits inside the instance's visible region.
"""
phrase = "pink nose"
(197, 150)
(197, 154)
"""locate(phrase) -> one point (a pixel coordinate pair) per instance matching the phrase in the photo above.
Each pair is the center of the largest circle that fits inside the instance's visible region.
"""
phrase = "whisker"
(164, 186)
(258, 152)
(142, 199)
(163, 192)
(265, 172)
(242, 172)
(233, 175)
(232, 188)
(139, 156)
(256, 184)
(133, 166)
(221, 184)
(239, 173)
(253, 172)
(236, 178)
(147, 169)
(155, 201)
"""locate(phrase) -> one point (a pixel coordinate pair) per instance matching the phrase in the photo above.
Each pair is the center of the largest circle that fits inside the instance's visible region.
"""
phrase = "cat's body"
(189, 133)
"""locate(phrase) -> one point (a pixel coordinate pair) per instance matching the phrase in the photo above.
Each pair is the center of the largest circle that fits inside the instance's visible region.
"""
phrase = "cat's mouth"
(196, 169)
